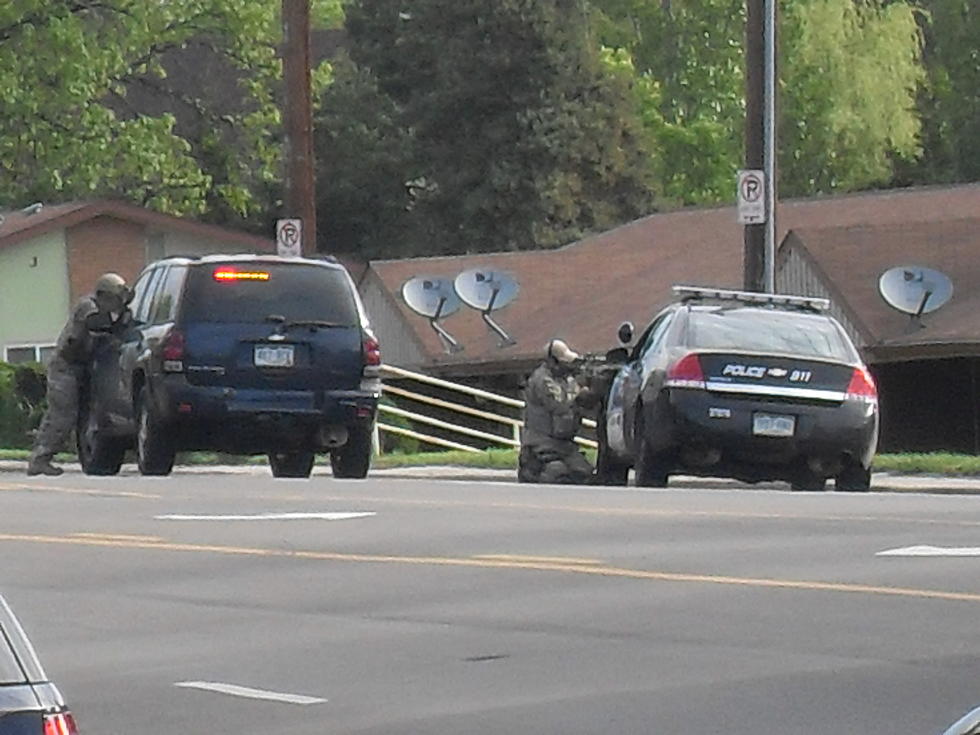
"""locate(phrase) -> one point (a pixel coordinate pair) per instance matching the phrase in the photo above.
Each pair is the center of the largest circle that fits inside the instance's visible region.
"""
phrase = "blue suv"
(244, 354)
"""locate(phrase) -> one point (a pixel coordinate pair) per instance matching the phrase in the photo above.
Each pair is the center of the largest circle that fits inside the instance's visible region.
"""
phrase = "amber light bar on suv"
(691, 293)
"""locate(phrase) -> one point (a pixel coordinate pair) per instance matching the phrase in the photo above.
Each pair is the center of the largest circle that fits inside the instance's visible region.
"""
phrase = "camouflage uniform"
(555, 402)
(66, 371)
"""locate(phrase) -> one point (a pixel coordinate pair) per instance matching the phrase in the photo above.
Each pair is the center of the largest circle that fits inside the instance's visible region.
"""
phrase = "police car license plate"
(767, 424)
(280, 356)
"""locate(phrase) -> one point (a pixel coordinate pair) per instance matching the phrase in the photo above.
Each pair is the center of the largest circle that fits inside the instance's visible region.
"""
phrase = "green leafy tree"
(950, 101)
(852, 72)
(89, 108)
(849, 70)
(519, 136)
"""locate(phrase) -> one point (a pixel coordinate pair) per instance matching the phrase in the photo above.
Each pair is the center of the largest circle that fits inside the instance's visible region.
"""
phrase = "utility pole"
(760, 140)
(299, 200)
(755, 246)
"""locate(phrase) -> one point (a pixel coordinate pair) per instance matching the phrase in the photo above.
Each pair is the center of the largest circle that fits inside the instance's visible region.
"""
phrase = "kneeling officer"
(555, 402)
(96, 313)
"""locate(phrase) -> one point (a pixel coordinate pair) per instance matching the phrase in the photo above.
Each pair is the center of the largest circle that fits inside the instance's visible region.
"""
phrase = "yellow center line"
(613, 572)
(119, 537)
(31, 487)
(541, 559)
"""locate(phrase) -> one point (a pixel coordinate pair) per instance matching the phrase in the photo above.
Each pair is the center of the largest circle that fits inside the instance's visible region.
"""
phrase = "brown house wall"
(103, 244)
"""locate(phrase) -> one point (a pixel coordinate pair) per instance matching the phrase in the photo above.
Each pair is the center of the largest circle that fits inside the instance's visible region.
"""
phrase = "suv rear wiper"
(285, 324)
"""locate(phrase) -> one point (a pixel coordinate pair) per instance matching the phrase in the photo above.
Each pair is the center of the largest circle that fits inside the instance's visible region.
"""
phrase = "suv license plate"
(765, 424)
(280, 356)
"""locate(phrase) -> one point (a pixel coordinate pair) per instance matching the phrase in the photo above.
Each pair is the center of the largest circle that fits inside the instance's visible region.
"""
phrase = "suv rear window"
(253, 291)
(771, 332)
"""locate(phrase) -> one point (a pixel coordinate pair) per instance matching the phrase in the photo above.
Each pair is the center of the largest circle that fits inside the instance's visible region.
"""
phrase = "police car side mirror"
(625, 333)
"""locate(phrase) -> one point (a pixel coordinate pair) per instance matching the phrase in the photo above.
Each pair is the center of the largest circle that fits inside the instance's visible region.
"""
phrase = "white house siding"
(33, 291)
(795, 276)
(397, 346)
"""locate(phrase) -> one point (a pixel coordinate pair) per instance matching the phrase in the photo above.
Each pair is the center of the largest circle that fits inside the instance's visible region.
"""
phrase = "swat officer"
(555, 401)
(98, 312)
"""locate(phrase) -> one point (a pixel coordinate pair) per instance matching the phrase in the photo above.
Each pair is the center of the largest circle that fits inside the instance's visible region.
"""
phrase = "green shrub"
(21, 403)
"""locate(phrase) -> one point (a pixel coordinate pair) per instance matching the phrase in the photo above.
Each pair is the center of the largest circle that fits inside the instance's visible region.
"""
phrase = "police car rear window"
(254, 291)
(769, 332)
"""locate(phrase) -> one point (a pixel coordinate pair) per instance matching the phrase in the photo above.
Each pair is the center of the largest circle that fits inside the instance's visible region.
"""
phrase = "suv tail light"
(686, 373)
(172, 352)
(60, 724)
(862, 387)
(372, 352)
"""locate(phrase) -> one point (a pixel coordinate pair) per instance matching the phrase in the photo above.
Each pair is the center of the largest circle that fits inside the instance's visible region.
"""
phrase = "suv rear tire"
(353, 460)
(291, 464)
(155, 448)
(98, 454)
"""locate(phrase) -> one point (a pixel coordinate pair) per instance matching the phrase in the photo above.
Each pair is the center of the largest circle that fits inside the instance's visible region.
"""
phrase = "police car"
(744, 385)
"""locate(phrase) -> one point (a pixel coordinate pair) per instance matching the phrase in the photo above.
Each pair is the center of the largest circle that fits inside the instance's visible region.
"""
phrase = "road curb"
(882, 482)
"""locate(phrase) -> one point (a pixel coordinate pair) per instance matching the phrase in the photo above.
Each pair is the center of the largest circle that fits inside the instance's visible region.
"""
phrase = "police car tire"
(353, 460)
(853, 479)
(652, 469)
(291, 464)
(608, 470)
(155, 451)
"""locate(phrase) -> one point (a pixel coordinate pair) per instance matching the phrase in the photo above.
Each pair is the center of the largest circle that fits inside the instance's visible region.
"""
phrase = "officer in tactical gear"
(101, 312)
(555, 401)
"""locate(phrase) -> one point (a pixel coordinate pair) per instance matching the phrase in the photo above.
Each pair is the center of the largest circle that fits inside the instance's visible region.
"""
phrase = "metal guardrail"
(514, 425)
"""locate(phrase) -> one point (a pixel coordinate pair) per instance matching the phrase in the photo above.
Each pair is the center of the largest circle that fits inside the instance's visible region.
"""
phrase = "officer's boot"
(40, 464)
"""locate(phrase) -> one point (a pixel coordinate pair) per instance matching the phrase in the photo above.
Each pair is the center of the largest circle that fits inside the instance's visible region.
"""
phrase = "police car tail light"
(61, 723)
(686, 373)
(862, 386)
(173, 352)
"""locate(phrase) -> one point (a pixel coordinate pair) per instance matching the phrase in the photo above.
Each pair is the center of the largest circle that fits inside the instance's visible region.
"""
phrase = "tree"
(520, 138)
(849, 72)
(88, 109)
(950, 101)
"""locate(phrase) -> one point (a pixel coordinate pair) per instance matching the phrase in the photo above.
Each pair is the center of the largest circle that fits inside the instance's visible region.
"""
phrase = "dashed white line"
(932, 551)
(337, 516)
(249, 693)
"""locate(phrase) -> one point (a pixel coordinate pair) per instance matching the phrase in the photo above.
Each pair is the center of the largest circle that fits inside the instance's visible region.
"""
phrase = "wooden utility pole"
(755, 234)
(299, 199)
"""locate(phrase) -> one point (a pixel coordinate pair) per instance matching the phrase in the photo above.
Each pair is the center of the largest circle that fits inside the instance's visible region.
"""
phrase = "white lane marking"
(932, 551)
(238, 691)
(267, 517)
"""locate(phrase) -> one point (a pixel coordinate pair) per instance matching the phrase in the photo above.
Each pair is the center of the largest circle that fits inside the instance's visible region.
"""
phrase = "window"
(146, 285)
(165, 303)
(19, 354)
(773, 332)
(10, 671)
(253, 291)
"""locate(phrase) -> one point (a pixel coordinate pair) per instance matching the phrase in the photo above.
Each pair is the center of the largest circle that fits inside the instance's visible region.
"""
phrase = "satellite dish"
(433, 298)
(915, 290)
(487, 291)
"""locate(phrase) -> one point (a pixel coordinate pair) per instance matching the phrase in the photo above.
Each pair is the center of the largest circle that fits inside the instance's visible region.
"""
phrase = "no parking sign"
(289, 237)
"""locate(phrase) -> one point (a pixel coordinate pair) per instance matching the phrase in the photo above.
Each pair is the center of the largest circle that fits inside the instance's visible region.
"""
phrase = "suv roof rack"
(698, 293)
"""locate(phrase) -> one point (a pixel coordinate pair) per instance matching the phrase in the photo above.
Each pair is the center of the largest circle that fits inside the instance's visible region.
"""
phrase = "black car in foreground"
(743, 385)
(29, 703)
(244, 354)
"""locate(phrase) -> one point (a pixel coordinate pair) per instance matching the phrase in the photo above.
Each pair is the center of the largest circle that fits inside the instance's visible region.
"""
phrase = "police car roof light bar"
(689, 293)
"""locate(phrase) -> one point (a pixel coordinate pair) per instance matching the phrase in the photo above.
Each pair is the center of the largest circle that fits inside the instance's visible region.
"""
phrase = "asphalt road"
(476, 608)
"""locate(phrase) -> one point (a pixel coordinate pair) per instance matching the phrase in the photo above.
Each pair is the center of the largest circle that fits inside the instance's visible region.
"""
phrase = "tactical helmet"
(558, 350)
(112, 284)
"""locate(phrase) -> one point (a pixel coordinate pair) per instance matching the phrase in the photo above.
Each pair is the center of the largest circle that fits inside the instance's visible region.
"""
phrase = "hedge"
(22, 389)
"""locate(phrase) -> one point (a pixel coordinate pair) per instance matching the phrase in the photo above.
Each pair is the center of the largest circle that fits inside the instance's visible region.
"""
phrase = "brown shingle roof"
(18, 226)
(853, 259)
(583, 291)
